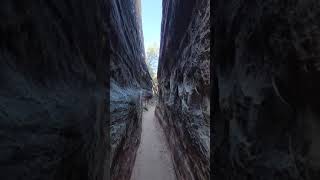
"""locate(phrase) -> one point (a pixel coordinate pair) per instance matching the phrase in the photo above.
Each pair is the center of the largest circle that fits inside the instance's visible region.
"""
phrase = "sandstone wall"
(129, 80)
(56, 85)
(266, 90)
(53, 111)
(183, 77)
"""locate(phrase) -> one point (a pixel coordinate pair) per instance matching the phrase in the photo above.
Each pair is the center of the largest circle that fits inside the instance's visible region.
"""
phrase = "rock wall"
(266, 89)
(53, 111)
(130, 81)
(184, 88)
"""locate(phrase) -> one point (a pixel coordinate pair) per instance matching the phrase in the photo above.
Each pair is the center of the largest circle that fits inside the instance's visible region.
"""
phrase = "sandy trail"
(153, 161)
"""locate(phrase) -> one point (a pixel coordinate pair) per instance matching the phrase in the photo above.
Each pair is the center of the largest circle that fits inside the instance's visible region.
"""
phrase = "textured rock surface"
(129, 81)
(53, 114)
(183, 77)
(266, 61)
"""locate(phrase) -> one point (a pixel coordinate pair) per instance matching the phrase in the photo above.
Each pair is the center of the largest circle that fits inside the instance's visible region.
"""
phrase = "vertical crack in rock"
(184, 85)
(266, 61)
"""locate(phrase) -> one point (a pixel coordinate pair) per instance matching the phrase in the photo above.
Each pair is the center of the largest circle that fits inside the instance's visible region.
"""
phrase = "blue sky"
(151, 21)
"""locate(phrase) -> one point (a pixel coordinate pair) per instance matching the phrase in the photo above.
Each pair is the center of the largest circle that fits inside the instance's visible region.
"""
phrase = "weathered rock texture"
(53, 111)
(266, 92)
(130, 80)
(183, 77)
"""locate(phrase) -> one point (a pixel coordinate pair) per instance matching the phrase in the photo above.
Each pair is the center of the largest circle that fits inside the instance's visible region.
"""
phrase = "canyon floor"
(153, 161)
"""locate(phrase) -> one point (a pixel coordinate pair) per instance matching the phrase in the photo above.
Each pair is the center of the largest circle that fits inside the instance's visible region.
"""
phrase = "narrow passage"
(153, 161)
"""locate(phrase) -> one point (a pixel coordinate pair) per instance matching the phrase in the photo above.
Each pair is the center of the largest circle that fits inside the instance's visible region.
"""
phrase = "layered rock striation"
(266, 90)
(184, 86)
(130, 81)
(53, 111)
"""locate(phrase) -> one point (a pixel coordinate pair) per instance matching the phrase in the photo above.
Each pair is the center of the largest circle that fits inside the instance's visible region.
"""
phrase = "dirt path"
(153, 161)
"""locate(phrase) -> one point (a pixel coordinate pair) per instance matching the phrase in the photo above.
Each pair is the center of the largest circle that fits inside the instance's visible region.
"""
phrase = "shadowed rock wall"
(183, 76)
(53, 74)
(130, 80)
(266, 92)
(54, 88)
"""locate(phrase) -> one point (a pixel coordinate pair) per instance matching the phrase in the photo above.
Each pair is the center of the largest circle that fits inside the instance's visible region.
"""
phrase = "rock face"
(130, 81)
(266, 89)
(184, 87)
(53, 111)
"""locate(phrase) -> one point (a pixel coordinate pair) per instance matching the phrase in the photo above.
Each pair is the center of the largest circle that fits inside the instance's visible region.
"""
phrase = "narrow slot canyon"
(171, 139)
(218, 89)
(74, 81)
